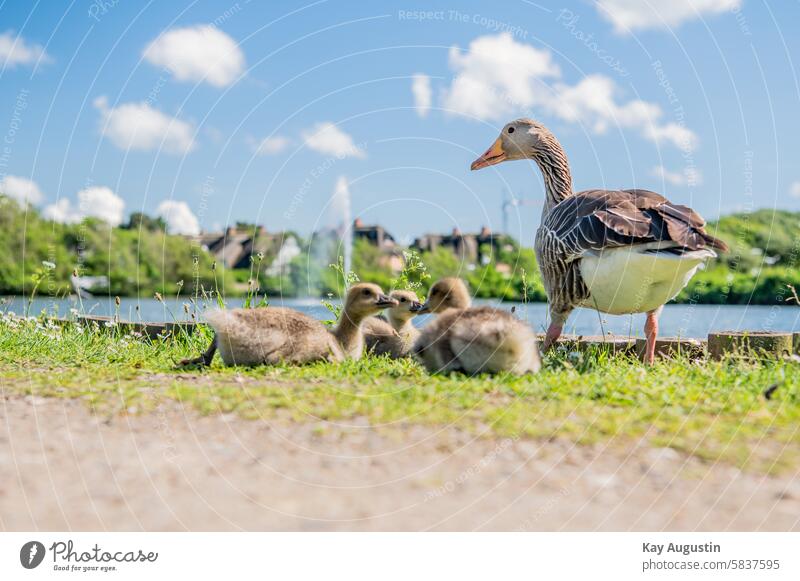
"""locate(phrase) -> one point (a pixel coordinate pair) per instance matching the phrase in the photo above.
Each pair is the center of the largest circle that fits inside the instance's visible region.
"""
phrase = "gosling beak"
(415, 307)
(385, 301)
(420, 309)
(493, 155)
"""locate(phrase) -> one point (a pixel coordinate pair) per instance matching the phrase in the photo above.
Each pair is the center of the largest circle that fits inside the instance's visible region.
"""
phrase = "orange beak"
(493, 155)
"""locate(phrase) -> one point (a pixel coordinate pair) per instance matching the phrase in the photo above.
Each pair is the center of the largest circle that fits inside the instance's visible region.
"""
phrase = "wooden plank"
(667, 347)
(757, 344)
(147, 329)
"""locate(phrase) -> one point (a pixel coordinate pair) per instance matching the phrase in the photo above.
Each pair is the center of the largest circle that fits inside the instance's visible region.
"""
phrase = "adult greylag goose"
(616, 251)
(473, 339)
(394, 335)
(275, 334)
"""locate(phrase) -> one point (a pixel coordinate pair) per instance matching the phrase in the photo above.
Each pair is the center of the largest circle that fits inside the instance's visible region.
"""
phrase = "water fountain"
(334, 240)
(340, 208)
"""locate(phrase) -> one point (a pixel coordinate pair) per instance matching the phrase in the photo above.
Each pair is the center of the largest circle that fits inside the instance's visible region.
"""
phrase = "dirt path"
(64, 468)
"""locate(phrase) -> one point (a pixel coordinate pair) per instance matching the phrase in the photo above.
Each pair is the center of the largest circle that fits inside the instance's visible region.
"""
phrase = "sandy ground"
(64, 468)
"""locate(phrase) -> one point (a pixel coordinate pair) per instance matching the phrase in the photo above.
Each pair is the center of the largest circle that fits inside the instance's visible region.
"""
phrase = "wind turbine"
(511, 201)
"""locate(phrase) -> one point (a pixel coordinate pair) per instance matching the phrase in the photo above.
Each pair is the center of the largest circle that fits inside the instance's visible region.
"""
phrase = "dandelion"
(48, 265)
(159, 298)
(214, 266)
(117, 301)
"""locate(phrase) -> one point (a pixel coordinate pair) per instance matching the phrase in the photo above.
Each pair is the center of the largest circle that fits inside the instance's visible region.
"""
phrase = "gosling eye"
(511, 130)
(366, 292)
(403, 300)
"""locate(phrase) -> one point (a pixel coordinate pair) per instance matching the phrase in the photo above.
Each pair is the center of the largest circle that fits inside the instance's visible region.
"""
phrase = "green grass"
(712, 410)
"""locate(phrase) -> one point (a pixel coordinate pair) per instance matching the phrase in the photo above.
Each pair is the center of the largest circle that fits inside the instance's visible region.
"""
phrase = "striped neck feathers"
(553, 163)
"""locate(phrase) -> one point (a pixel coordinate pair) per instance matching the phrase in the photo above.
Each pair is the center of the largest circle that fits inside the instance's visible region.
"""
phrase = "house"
(237, 247)
(375, 235)
(471, 249)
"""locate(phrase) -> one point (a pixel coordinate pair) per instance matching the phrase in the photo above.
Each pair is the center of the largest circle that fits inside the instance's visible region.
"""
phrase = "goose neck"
(554, 166)
(348, 334)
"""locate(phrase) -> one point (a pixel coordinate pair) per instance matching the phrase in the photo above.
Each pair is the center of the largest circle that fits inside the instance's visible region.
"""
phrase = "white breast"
(639, 278)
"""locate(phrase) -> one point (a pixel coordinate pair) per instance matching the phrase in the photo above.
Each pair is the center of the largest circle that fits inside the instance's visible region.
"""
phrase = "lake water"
(677, 320)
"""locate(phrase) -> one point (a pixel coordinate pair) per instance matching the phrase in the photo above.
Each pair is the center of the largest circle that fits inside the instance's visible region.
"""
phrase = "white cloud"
(102, 203)
(499, 78)
(496, 65)
(98, 202)
(270, 145)
(794, 190)
(593, 102)
(421, 87)
(629, 15)
(676, 178)
(328, 139)
(62, 211)
(140, 126)
(21, 189)
(197, 54)
(690, 176)
(679, 135)
(179, 217)
(15, 50)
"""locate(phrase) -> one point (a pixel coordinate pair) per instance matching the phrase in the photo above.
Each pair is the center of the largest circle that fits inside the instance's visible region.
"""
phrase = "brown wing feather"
(598, 219)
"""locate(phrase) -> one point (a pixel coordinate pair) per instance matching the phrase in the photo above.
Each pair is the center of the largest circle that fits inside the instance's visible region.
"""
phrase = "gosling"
(279, 335)
(473, 339)
(395, 334)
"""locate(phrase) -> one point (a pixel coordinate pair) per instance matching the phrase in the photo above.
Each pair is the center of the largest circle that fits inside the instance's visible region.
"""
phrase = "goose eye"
(511, 130)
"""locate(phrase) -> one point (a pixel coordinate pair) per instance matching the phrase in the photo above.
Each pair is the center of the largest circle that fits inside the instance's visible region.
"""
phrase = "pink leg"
(553, 333)
(651, 332)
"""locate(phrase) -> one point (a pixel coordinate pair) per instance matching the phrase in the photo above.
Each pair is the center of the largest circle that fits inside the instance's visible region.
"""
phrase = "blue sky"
(211, 112)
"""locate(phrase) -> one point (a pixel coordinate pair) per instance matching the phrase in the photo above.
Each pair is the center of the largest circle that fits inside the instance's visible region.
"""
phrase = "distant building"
(471, 249)
(375, 235)
(235, 247)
